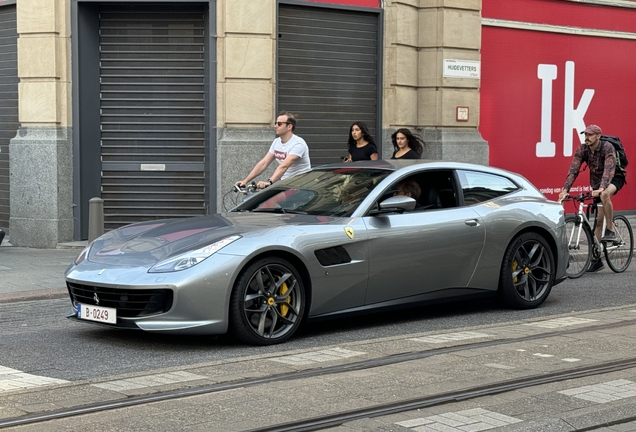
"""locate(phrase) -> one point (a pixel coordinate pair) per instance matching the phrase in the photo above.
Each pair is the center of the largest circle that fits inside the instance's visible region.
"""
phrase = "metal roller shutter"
(328, 75)
(152, 101)
(8, 101)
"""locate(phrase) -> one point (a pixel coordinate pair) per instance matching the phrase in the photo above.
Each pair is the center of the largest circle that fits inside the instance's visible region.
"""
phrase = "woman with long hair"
(407, 145)
(361, 144)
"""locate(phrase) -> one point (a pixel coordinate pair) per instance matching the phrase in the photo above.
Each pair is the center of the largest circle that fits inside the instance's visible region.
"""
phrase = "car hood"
(147, 243)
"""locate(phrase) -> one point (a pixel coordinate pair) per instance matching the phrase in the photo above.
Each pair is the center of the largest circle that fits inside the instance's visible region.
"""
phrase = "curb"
(42, 294)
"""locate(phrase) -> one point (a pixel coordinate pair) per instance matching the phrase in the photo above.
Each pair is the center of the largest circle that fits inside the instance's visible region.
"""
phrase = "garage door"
(8, 101)
(152, 98)
(328, 62)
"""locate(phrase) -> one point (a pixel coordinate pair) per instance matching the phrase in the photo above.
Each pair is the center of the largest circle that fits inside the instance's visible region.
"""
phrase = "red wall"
(512, 101)
(562, 12)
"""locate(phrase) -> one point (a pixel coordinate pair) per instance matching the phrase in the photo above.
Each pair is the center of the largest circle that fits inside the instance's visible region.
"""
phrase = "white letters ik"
(573, 118)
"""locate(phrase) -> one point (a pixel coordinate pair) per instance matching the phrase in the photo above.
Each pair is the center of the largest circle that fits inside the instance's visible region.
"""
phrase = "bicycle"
(583, 246)
(237, 195)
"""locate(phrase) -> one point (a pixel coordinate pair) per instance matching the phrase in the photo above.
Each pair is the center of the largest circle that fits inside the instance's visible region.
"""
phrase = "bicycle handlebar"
(248, 188)
(582, 197)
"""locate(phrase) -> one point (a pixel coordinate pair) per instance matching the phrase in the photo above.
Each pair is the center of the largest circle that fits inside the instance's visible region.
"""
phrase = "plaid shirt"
(602, 164)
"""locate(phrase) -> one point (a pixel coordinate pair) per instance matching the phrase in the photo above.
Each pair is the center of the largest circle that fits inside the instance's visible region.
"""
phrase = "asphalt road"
(35, 337)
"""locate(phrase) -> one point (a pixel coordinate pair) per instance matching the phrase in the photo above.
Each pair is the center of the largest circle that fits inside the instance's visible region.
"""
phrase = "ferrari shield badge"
(349, 232)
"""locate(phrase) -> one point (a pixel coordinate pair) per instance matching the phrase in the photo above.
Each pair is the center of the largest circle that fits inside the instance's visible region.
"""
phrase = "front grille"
(129, 303)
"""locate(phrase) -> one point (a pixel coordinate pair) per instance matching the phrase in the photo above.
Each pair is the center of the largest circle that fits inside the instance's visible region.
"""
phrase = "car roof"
(398, 164)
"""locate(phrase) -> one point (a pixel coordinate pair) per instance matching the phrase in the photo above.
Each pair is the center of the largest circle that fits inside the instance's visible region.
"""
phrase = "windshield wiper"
(278, 210)
(269, 210)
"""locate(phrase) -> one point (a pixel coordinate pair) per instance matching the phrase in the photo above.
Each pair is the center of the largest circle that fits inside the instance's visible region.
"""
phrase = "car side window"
(478, 187)
(432, 189)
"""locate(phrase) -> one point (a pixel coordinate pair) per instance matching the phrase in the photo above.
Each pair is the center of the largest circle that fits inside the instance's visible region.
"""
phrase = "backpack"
(621, 158)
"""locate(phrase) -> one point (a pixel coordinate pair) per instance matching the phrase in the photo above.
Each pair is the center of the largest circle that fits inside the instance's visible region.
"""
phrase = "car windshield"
(335, 192)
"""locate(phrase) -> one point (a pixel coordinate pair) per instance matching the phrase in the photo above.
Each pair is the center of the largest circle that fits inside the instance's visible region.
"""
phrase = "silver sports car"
(340, 239)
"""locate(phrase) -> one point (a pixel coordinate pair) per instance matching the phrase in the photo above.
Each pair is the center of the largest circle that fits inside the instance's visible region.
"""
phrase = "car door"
(421, 252)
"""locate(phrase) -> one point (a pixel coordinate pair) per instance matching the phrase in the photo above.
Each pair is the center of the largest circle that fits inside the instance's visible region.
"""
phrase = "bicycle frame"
(582, 214)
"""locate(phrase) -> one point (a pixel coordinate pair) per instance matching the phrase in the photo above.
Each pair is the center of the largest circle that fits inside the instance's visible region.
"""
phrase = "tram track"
(318, 423)
(378, 410)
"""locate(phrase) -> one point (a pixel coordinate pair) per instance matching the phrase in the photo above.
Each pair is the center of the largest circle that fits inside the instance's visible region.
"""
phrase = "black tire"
(527, 272)
(267, 303)
(618, 254)
(580, 246)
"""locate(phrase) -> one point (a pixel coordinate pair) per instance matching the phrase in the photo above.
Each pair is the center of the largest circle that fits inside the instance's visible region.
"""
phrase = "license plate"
(97, 313)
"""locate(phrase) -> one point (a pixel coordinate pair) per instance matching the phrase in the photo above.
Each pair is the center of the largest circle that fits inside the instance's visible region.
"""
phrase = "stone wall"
(246, 47)
(41, 154)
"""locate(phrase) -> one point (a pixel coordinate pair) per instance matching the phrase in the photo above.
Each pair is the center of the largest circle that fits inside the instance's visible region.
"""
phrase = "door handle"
(472, 222)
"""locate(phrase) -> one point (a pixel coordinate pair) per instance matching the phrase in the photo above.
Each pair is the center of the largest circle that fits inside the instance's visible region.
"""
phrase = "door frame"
(85, 105)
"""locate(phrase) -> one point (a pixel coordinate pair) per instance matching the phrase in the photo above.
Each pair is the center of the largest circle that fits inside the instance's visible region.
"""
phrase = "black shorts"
(618, 180)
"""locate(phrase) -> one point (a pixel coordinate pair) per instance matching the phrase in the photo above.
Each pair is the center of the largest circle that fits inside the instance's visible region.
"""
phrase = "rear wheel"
(527, 272)
(580, 245)
(267, 303)
(618, 254)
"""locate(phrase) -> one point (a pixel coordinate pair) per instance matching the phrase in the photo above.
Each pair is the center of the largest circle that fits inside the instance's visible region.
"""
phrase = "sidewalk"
(31, 274)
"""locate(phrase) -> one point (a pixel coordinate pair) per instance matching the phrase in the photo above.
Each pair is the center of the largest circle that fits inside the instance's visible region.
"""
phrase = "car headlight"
(83, 254)
(191, 258)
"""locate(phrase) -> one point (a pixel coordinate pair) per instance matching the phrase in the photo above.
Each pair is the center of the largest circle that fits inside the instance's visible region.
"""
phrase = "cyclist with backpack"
(606, 178)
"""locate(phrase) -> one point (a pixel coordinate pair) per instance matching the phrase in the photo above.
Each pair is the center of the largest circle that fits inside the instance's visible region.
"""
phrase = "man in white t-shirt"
(289, 150)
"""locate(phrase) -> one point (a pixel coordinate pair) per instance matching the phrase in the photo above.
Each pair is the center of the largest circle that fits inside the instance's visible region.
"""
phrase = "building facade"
(158, 107)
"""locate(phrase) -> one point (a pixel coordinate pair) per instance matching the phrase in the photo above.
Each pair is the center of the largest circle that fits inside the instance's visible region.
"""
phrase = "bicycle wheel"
(230, 200)
(579, 238)
(618, 254)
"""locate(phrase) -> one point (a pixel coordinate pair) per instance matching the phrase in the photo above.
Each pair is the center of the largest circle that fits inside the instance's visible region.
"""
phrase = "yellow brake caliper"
(514, 268)
(284, 308)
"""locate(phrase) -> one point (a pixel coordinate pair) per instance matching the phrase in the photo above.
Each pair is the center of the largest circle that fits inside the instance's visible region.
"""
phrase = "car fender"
(532, 216)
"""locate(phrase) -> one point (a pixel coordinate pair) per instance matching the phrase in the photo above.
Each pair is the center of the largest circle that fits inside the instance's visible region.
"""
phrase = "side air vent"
(332, 256)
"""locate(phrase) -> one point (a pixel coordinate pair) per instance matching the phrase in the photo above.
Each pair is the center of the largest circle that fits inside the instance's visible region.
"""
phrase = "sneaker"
(609, 236)
(596, 266)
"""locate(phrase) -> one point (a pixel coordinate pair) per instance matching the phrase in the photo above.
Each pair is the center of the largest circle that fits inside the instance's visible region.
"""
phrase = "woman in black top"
(406, 145)
(361, 144)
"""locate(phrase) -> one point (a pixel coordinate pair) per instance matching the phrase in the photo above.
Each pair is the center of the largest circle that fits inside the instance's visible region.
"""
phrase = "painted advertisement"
(539, 90)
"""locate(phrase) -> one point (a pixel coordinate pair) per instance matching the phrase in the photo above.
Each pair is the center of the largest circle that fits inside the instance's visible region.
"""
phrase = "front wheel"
(618, 253)
(527, 272)
(580, 246)
(267, 303)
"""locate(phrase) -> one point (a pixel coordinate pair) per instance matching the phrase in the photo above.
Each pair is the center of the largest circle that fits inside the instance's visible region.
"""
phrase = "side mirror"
(395, 204)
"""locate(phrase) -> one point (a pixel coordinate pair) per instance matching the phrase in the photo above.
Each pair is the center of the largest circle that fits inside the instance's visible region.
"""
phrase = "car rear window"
(479, 187)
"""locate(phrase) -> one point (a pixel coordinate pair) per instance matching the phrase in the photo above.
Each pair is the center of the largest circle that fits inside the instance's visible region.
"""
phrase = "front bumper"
(192, 301)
